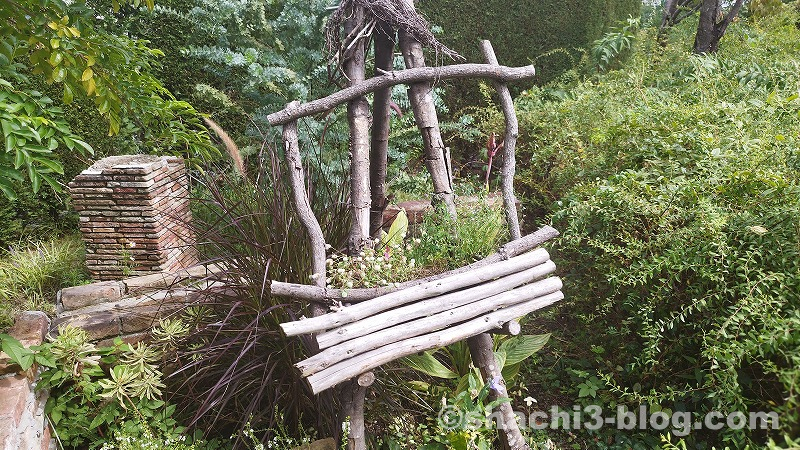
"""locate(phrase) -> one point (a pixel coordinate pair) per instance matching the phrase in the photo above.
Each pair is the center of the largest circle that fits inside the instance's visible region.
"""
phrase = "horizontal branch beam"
(427, 290)
(353, 367)
(432, 306)
(407, 76)
(437, 321)
(321, 294)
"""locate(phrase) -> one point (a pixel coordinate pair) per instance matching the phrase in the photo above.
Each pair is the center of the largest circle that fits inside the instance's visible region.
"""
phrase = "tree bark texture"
(420, 74)
(358, 117)
(712, 26)
(509, 147)
(384, 54)
(359, 364)
(421, 98)
(443, 317)
(481, 347)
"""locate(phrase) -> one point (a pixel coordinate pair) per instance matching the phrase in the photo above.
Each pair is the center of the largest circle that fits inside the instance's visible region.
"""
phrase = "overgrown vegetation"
(31, 275)
(674, 183)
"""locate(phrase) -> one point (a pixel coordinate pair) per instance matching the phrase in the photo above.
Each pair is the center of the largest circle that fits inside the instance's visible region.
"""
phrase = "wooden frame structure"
(384, 324)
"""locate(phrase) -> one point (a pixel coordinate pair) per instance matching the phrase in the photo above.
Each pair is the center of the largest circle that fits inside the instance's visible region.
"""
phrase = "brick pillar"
(134, 216)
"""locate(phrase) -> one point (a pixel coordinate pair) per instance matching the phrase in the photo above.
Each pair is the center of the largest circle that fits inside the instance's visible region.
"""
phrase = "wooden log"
(350, 368)
(378, 157)
(352, 397)
(314, 293)
(481, 349)
(421, 97)
(419, 292)
(509, 146)
(512, 328)
(425, 308)
(406, 76)
(430, 324)
(304, 212)
(358, 118)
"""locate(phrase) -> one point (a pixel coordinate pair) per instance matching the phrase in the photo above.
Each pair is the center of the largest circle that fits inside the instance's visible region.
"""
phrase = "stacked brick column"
(134, 216)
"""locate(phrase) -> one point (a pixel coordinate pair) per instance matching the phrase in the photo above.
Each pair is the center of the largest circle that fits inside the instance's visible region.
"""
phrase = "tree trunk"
(384, 53)
(712, 26)
(420, 95)
(358, 117)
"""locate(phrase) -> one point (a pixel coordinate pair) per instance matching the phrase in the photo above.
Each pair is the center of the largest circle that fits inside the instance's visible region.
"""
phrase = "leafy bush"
(98, 392)
(674, 183)
(31, 275)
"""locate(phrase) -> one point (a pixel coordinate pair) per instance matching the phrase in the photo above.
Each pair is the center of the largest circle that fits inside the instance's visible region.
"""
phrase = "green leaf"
(87, 74)
(397, 232)
(428, 364)
(519, 348)
(17, 352)
(68, 94)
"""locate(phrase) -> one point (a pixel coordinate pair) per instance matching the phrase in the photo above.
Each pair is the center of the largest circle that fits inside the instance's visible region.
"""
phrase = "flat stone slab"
(91, 294)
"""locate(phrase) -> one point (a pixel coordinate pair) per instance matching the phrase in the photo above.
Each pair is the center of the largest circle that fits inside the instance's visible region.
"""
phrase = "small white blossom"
(314, 276)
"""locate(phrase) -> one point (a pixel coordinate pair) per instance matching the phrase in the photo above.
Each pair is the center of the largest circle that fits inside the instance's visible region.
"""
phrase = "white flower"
(417, 240)
(329, 262)
(363, 267)
(377, 267)
(388, 266)
(349, 284)
(344, 294)
(327, 246)
(412, 262)
(340, 270)
(314, 276)
(131, 244)
(529, 400)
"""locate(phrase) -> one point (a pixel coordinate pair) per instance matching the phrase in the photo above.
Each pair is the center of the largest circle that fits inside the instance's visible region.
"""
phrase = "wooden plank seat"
(428, 315)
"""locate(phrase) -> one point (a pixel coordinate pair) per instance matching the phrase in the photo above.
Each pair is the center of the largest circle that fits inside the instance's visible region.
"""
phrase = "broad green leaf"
(519, 348)
(510, 371)
(428, 364)
(397, 232)
(17, 352)
(87, 74)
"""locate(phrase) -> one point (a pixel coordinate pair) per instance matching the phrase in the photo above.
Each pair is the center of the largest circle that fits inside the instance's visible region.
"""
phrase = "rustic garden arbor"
(389, 323)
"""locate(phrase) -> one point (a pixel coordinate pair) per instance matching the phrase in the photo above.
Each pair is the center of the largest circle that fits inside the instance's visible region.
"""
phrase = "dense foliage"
(61, 43)
(552, 35)
(674, 183)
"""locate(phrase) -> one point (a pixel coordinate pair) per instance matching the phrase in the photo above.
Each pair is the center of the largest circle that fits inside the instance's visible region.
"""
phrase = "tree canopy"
(61, 43)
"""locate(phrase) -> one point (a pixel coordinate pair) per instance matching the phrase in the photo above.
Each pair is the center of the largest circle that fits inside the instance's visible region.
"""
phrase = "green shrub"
(674, 182)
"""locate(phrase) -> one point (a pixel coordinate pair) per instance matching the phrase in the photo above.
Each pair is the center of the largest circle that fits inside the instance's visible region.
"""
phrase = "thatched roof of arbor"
(396, 14)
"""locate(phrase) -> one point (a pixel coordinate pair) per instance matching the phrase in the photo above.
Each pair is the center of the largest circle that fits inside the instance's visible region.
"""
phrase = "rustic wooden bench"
(430, 313)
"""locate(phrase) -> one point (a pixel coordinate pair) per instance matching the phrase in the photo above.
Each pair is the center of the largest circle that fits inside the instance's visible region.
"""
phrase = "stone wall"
(129, 308)
(134, 216)
(22, 420)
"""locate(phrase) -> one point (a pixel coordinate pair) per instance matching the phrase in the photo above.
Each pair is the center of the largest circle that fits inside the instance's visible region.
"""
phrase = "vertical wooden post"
(421, 97)
(304, 212)
(384, 53)
(482, 352)
(509, 147)
(358, 118)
